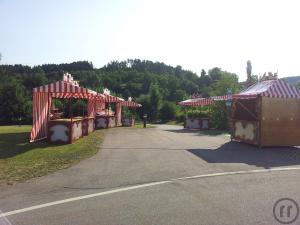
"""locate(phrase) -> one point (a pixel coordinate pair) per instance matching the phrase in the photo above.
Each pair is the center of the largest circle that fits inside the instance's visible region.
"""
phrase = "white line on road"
(142, 186)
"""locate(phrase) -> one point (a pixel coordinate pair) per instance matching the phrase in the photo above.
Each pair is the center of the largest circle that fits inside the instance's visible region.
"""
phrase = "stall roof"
(110, 98)
(64, 89)
(131, 104)
(270, 88)
(196, 102)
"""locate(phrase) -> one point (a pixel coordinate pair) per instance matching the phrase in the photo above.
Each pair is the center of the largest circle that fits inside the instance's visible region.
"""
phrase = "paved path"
(135, 157)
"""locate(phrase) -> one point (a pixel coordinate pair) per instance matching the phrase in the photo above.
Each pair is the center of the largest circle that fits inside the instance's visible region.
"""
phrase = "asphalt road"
(119, 184)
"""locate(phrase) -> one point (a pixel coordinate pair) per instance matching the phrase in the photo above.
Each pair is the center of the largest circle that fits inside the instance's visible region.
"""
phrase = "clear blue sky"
(193, 33)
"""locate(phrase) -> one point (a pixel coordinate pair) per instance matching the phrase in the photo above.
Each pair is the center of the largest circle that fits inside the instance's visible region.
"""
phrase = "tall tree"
(249, 69)
(155, 100)
(203, 73)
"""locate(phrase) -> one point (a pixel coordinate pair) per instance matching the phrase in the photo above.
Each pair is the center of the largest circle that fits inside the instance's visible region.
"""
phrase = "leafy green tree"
(147, 107)
(219, 115)
(155, 101)
(14, 104)
(215, 73)
(227, 80)
(168, 111)
(203, 73)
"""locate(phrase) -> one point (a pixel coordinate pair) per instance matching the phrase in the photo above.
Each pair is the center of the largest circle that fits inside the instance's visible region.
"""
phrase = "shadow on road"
(234, 152)
(200, 132)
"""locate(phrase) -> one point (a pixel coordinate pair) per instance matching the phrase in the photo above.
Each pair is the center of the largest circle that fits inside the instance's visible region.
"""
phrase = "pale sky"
(198, 34)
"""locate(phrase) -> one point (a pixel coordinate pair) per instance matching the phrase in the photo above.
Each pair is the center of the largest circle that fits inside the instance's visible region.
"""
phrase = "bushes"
(168, 111)
(219, 115)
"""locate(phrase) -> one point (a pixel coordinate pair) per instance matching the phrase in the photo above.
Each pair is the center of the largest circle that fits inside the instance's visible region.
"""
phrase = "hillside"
(154, 84)
(293, 80)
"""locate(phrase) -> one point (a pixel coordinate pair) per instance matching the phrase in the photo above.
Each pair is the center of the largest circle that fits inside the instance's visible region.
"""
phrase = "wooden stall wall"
(280, 122)
(245, 120)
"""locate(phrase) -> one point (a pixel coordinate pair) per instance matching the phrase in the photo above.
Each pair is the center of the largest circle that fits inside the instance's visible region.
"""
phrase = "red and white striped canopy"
(110, 98)
(196, 102)
(64, 89)
(131, 104)
(221, 97)
(270, 88)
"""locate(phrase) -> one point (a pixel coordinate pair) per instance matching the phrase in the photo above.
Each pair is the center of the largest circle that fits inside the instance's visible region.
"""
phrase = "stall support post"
(145, 120)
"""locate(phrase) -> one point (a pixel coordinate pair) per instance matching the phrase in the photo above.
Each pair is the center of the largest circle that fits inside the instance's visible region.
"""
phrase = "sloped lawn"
(21, 160)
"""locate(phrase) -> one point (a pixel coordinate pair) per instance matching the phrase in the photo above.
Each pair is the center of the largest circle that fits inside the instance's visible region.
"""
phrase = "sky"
(196, 34)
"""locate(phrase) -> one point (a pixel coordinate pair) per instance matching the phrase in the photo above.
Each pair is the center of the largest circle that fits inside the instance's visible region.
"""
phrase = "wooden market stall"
(267, 114)
(51, 124)
(129, 121)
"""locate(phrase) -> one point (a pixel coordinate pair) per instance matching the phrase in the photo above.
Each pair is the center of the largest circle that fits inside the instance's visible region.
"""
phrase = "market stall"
(52, 124)
(267, 114)
(105, 116)
(129, 120)
(198, 122)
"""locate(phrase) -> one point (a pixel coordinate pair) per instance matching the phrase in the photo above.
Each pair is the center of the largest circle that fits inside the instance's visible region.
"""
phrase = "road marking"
(5, 214)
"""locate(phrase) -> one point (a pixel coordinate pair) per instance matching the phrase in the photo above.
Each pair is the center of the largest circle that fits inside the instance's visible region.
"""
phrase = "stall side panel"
(280, 124)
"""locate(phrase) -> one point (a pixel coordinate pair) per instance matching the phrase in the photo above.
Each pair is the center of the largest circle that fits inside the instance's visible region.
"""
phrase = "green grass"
(21, 160)
(174, 122)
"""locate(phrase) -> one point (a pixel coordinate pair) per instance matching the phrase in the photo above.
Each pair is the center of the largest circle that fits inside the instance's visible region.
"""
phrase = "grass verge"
(21, 160)
(174, 122)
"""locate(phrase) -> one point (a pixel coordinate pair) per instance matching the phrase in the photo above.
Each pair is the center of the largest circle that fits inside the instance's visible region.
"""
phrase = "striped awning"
(62, 88)
(73, 95)
(131, 104)
(111, 98)
(270, 88)
(196, 102)
(221, 97)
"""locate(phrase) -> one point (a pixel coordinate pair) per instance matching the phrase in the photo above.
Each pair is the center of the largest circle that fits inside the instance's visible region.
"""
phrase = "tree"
(147, 107)
(226, 81)
(168, 111)
(14, 103)
(249, 69)
(203, 73)
(155, 101)
(215, 73)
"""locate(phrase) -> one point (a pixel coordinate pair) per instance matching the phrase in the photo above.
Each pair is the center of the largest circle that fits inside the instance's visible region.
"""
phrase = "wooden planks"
(280, 122)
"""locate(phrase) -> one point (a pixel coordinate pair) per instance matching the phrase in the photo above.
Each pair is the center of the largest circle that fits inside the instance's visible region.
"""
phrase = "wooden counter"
(69, 130)
(128, 121)
(196, 123)
(105, 121)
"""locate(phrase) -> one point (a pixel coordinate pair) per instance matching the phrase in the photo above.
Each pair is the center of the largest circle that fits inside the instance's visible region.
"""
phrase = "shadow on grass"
(12, 144)
(234, 152)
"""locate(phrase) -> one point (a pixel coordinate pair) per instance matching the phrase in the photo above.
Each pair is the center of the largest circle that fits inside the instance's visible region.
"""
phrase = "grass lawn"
(174, 122)
(21, 160)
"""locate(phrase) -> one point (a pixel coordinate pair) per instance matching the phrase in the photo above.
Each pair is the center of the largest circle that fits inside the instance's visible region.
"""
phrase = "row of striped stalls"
(198, 123)
(129, 121)
(265, 114)
(61, 130)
